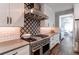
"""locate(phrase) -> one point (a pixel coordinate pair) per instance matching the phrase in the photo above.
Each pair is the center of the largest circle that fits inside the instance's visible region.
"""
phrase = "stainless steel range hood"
(35, 14)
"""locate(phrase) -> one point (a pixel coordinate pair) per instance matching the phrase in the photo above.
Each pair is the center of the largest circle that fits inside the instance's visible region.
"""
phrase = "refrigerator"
(76, 28)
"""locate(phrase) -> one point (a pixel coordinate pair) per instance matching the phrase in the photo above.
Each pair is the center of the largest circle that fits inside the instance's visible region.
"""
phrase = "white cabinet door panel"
(11, 53)
(4, 13)
(54, 40)
(23, 51)
(17, 14)
(20, 51)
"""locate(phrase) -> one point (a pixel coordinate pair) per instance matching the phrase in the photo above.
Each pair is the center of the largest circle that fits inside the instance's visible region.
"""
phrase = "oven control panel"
(39, 44)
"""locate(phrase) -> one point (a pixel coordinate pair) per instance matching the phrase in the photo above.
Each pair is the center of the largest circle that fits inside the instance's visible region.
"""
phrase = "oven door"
(36, 51)
(46, 49)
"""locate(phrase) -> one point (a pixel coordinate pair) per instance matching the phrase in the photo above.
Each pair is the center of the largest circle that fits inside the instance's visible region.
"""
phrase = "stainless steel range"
(39, 44)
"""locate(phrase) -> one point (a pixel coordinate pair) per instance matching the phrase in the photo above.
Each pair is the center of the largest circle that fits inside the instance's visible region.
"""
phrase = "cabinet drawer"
(20, 51)
(11, 53)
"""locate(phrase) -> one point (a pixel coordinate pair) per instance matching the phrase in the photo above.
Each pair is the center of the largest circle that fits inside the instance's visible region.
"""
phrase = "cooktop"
(41, 35)
(35, 37)
(29, 39)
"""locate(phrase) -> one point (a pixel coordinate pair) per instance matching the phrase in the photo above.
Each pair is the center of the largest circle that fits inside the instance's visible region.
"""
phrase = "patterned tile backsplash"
(31, 26)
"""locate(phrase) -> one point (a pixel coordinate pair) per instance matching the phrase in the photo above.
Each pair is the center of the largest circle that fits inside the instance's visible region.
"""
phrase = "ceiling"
(60, 6)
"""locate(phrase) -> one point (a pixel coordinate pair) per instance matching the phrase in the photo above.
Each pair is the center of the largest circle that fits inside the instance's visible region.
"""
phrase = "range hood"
(35, 14)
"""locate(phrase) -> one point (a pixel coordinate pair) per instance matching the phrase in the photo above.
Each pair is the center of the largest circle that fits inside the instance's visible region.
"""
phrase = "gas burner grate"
(29, 39)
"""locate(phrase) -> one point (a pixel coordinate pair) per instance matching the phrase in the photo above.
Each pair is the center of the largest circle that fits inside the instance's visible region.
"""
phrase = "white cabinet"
(11, 14)
(16, 14)
(23, 51)
(52, 44)
(11, 53)
(56, 37)
(20, 51)
(54, 40)
(4, 14)
(50, 22)
(76, 11)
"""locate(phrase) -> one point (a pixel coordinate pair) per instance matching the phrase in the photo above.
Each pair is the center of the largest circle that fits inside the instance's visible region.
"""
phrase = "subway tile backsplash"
(9, 33)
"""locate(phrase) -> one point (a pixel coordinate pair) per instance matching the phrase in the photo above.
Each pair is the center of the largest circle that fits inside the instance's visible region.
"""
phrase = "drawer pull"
(14, 53)
(10, 20)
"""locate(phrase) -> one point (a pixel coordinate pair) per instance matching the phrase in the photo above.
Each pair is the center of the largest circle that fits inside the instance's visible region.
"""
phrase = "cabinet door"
(76, 11)
(16, 14)
(23, 50)
(20, 51)
(54, 40)
(14, 52)
(4, 14)
(57, 38)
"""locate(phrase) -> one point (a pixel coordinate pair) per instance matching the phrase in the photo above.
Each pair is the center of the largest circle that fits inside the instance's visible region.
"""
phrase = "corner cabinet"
(11, 14)
(76, 10)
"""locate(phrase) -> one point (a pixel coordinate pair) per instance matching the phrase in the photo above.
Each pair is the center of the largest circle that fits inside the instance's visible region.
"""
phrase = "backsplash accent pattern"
(31, 26)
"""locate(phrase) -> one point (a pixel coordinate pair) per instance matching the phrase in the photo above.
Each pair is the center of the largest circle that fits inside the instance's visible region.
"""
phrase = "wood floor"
(64, 48)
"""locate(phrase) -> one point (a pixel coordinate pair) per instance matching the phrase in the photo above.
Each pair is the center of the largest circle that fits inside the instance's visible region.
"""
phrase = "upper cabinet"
(4, 14)
(50, 21)
(12, 14)
(76, 11)
(16, 14)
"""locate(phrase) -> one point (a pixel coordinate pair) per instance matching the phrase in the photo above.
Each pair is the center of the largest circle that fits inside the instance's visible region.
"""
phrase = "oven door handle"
(37, 48)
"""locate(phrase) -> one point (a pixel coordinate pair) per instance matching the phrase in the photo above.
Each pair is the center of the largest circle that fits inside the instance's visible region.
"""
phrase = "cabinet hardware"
(10, 20)
(7, 20)
(14, 53)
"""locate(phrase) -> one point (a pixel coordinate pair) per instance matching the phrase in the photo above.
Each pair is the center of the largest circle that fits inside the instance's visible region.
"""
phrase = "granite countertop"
(12, 44)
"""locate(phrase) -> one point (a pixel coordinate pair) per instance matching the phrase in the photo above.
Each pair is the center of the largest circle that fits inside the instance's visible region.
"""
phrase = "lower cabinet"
(23, 51)
(14, 52)
(54, 40)
(20, 51)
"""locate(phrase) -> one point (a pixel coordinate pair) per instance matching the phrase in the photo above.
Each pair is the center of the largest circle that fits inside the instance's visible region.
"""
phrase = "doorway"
(66, 27)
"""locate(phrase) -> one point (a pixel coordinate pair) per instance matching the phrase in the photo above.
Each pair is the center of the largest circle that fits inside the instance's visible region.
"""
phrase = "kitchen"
(29, 28)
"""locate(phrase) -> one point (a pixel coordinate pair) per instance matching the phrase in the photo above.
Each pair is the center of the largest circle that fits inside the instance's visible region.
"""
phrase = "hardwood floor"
(55, 50)
(64, 48)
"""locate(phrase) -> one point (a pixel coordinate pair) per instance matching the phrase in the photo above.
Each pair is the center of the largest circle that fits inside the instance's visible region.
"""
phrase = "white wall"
(51, 16)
